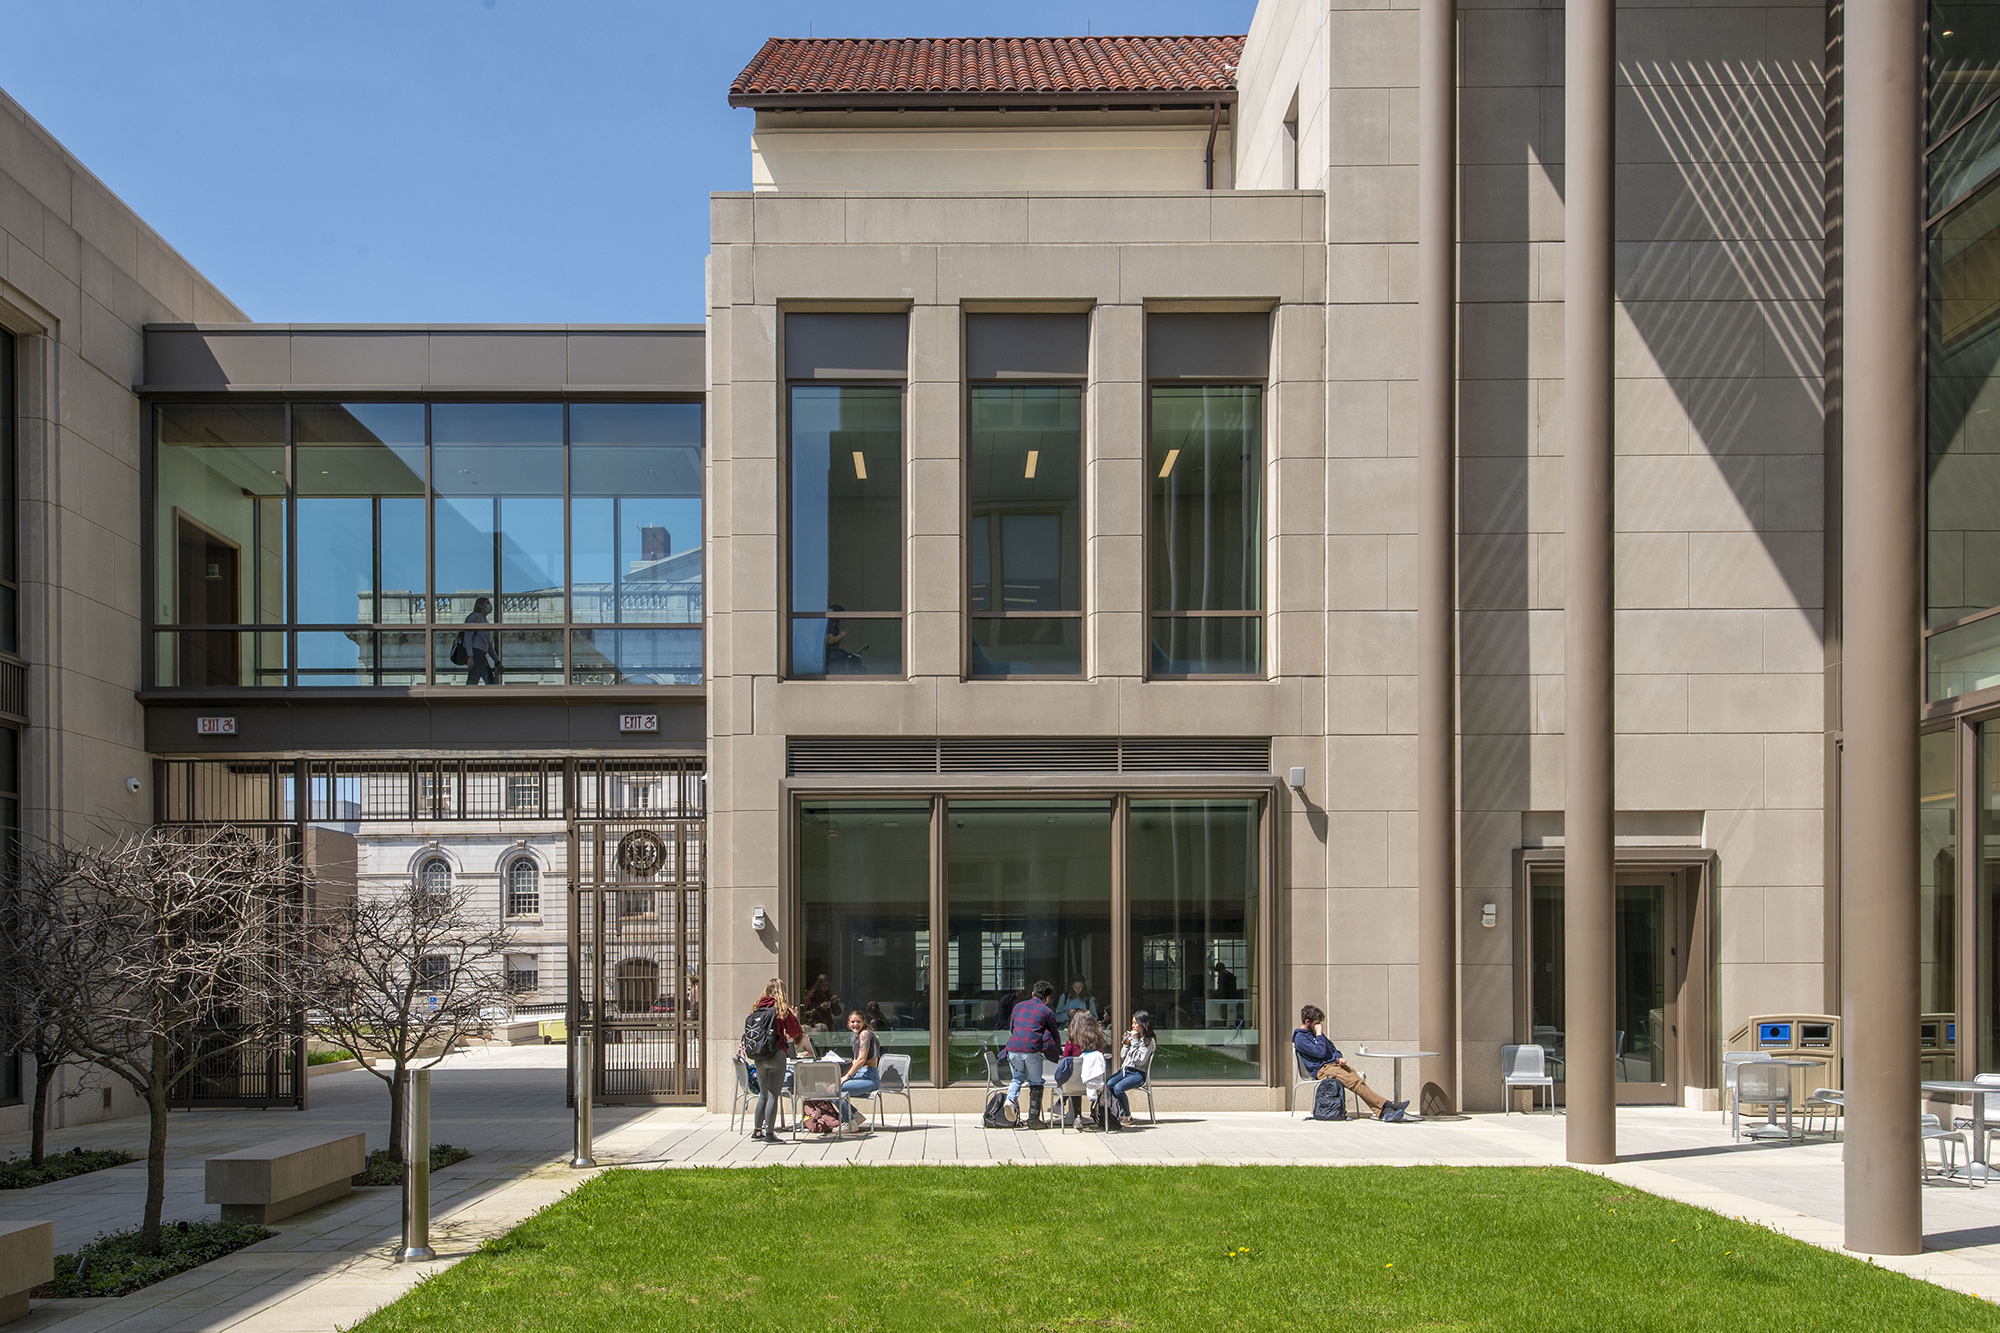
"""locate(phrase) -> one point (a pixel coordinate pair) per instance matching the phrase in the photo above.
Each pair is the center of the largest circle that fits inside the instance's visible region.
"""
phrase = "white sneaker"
(858, 1124)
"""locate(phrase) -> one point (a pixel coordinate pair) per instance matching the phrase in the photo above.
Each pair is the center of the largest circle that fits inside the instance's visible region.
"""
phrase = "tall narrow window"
(219, 568)
(846, 494)
(1206, 469)
(1937, 902)
(10, 520)
(434, 878)
(360, 561)
(524, 887)
(1024, 494)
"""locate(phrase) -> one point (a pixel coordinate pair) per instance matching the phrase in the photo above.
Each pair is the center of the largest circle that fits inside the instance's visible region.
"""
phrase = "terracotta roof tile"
(825, 68)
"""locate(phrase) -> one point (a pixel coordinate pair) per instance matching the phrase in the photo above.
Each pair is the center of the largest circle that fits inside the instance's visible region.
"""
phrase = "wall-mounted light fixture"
(759, 921)
(1297, 779)
(1489, 916)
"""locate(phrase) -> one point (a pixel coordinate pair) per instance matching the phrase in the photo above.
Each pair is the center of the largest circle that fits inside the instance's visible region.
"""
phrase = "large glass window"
(1028, 885)
(1937, 901)
(1024, 530)
(1194, 890)
(219, 562)
(846, 534)
(864, 891)
(428, 544)
(10, 532)
(1207, 530)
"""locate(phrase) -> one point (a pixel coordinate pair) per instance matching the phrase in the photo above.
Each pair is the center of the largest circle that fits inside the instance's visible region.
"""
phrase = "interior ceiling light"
(860, 466)
(1168, 466)
(1034, 456)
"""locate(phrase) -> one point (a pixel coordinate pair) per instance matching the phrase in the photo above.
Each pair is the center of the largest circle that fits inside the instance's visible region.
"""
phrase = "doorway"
(1660, 980)
(209, 587)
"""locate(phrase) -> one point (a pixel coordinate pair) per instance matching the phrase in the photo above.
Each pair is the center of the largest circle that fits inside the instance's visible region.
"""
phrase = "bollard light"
(417, 1169)
(583, 1159)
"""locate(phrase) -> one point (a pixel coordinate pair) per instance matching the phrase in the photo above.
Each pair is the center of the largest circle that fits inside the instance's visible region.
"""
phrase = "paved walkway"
(330, 1266)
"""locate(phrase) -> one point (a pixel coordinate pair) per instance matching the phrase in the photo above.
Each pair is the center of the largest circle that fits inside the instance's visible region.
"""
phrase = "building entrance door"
(639, 888)
(1655, 930)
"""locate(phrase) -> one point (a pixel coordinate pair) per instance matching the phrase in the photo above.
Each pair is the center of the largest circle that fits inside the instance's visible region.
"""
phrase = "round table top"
(1397, 1055)
(1958, 1085)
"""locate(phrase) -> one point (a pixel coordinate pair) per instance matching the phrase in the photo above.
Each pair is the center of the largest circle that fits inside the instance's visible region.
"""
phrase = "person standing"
(482, 660)
(770, 1066)
(1032, 1040)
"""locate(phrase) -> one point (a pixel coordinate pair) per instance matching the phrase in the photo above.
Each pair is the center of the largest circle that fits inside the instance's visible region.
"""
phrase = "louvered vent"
(805, 756)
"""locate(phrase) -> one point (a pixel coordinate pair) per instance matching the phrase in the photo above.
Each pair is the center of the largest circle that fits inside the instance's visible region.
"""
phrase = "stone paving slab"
(329, 1266)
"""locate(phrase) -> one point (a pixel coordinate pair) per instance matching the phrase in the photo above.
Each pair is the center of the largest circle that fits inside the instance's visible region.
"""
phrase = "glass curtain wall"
(1937, 900)
(219, 558)
(10, 534)
(846, 516)
(1034, 889)
(1028, 892)
(418, 533)
(1024, 530)
(864, 895)
(1207, 530)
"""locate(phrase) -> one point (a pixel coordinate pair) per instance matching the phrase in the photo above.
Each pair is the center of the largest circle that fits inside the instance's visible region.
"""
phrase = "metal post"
(1588, 857)
(585, 1086)
(1882, 323)
(1437, 526)
(417, 1168)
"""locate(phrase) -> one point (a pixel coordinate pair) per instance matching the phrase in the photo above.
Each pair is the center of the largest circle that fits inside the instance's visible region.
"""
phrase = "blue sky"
(449, 160)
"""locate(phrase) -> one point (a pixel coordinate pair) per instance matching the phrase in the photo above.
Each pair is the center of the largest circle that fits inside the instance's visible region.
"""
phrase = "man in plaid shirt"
(1032, 1040)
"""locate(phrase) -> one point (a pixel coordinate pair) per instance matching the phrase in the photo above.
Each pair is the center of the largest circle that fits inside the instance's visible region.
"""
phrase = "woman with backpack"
(769, 1033)
(1135, 1057)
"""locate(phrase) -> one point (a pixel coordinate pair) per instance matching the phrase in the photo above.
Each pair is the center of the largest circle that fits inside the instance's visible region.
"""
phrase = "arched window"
(434, 877)
(524, 887)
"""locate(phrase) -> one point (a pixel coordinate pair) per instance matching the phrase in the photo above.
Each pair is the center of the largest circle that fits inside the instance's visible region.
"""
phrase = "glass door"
(1651, 921)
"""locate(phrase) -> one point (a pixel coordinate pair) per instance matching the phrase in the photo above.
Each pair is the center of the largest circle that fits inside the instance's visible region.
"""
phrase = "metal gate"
(638, 899)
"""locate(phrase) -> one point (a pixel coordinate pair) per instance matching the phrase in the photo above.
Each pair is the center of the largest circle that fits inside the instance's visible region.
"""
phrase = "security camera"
(758, 919)
(131, 784)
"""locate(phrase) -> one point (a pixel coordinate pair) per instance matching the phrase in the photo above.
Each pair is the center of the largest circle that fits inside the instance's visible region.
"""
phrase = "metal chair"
(1948, 1141)
(743, 1099)
(1152, 1116)
(1763, 1083)
(1073, 1087)
(991, 1059)
(1306, 1079)
(1826, 1105)
(1525, 1066)
(817, 1080)
(895, 1071)
(1992, 1110)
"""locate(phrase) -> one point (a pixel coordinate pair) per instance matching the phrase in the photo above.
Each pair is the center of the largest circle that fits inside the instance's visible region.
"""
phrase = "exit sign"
(215, 726)
(638, 722)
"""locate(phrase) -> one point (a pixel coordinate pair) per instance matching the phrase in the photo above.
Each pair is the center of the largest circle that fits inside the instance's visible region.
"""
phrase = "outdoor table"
(1979, 1091)
(1396, 1059)
(1771, 1129)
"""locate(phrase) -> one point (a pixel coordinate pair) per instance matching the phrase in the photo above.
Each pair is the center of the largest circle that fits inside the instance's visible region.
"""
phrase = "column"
(1882, 688)
(1588, 32)
(1437, 526)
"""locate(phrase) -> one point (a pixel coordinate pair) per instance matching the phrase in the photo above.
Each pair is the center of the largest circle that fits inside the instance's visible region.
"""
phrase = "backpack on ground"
(1329, 1101)
(1000, 1113)
(821, 1116)
(760, 1033)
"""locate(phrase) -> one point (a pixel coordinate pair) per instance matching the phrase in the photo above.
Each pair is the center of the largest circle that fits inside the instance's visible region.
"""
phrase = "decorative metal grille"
(806, 756)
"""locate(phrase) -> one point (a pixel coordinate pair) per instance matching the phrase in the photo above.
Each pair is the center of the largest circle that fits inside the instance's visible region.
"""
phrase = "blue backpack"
(1329, 1101)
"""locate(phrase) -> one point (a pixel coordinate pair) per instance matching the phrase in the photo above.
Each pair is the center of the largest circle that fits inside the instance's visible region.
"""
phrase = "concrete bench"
(27, 1260)
(285, 1176)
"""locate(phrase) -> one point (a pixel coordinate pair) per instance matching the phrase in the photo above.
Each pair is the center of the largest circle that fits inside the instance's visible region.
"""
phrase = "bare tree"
(402, 976)
(181, 950)
(35, 990)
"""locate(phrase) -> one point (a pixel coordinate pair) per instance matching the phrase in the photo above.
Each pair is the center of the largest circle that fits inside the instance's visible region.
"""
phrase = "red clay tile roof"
(835, 71)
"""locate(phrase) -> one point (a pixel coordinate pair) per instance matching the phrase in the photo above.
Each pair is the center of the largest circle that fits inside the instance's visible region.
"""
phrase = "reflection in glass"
(497, 469)
(1962, 426)
(360, 469)
(361, 657)
(1195, 881)
(846, 516)
(635, 657)
(1959, 661)
(1639, 984)
(1024, 540)
(1964, 62)
(521, 657)
(1547, 972)
(1029, 899)
(1206, 645)
(220, 531)
(1207, 526)
(1987, 807)
(1937, 902)
(635, 512)
(864, 892)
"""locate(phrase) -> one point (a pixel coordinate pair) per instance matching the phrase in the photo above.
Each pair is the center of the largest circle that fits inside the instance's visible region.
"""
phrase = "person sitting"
(864, 1076)
(1086, 1036)
(819, 1006)
(1135, 1056)
(1077, 1000)
(1323, 1059)
(1032, 1039)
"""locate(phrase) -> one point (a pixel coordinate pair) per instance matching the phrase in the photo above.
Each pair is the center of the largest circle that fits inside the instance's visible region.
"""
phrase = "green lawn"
(1355, 1249)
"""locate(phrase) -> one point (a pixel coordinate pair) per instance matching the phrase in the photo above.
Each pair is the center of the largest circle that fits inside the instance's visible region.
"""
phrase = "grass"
(111, 1265)
(385, 1169)
(18, 1173)
(1150, 1248)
